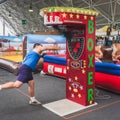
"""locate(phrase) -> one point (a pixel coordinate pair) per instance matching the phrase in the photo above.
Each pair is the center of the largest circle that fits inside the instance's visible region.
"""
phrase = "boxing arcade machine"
(78, 25)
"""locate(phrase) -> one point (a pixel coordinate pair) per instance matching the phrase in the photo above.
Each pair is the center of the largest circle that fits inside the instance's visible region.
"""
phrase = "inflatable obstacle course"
(10, 53)
(15, 57)
(11, 48)
(107, 75)
(9, 65)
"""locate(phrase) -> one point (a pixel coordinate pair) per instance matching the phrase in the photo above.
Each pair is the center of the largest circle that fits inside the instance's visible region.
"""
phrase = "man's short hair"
(36, 44)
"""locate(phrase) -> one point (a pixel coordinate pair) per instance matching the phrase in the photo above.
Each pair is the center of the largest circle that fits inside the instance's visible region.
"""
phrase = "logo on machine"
(75, 64)
(75, 47)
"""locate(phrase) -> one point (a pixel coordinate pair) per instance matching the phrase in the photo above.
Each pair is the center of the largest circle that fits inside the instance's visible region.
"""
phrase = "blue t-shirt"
(31, 59)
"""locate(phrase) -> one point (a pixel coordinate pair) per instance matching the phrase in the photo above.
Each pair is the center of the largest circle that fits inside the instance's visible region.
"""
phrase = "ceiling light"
(30, 8)
(10, 16)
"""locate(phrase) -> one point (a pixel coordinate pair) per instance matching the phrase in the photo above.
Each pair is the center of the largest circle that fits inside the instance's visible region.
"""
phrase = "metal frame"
(108, 12)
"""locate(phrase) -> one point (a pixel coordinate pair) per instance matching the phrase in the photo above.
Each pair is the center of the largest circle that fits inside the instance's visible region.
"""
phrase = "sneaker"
(34, 102)
(42, 73)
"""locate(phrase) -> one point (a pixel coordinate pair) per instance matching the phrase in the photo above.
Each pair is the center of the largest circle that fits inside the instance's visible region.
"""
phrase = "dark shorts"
(25, 74)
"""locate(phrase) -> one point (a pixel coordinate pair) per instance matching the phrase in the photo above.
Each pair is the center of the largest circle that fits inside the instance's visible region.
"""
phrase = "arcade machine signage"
(78, 25)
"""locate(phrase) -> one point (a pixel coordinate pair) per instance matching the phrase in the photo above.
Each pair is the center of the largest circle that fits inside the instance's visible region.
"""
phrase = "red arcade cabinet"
(78, 25)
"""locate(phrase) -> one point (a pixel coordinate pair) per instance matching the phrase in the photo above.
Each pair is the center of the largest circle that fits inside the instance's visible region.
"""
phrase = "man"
(116, 52)
(25, 71)
(98, 52)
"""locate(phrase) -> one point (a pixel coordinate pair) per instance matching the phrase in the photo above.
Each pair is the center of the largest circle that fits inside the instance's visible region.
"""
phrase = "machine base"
(65, 107)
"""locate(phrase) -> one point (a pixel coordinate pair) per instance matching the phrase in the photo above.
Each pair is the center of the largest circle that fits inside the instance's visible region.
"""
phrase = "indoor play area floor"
(14, 102)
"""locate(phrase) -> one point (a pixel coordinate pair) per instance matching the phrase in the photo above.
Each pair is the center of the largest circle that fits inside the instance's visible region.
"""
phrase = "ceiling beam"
(2, 1)
(63, 3)
(104, 14)
(101, 4)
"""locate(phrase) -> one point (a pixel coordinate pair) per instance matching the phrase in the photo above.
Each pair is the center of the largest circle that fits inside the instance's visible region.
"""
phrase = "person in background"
(116, 52)
(98, 52)
(25, 71)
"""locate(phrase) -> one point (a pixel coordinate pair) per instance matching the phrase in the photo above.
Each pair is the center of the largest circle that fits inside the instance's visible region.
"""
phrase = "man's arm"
(50, 48)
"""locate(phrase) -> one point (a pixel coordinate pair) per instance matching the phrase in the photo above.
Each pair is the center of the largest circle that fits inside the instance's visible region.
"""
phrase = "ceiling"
(109, 12)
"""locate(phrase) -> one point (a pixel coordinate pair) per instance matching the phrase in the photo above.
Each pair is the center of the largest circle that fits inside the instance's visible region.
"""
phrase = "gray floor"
(14, 104)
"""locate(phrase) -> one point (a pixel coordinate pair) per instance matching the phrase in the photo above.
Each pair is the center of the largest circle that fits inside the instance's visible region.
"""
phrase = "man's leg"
(31, 90)
(10, 85)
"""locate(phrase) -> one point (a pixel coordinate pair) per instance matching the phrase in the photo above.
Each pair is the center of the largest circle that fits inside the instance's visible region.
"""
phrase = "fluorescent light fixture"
(9, 16)
(30, 8)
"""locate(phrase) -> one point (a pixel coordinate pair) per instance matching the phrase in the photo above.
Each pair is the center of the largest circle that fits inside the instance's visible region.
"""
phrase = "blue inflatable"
(108, 68)
(55, 59)
(103, 67)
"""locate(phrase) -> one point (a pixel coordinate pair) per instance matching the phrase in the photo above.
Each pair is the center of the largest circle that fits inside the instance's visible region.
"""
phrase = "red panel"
(80, 70)
(55, 69)
(107, 81)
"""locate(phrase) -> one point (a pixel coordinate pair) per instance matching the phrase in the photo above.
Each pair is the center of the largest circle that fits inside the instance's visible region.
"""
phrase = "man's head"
(36, 44)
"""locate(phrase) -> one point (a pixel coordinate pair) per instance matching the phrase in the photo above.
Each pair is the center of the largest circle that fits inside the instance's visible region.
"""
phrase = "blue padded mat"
(55, 59)
(107, 65)
(108, 71)
(109, 68)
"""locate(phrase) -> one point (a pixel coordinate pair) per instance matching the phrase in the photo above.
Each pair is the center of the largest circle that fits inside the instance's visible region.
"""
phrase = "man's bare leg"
(10, 85)
(31, 90)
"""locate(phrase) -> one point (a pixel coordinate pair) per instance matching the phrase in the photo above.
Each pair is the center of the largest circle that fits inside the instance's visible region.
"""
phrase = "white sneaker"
(34, 102)
(42, 73)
